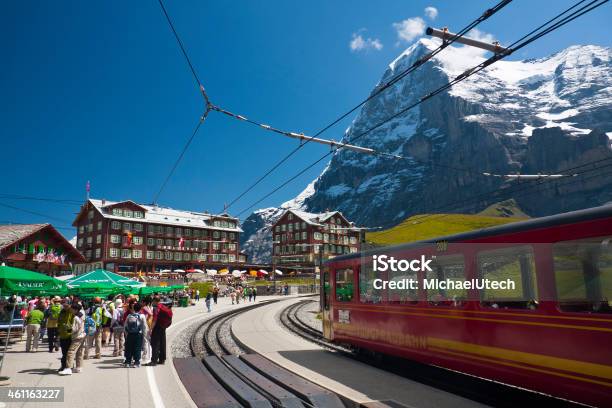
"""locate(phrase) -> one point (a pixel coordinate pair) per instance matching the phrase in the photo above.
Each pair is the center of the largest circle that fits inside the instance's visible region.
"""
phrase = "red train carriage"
(551, 332)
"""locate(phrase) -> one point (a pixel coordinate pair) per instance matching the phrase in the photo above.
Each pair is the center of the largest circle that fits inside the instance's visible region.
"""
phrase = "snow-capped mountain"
(532, 116)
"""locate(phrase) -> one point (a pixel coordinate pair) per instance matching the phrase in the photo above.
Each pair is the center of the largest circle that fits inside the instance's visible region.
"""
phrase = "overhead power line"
(12, 207)
(522, 42)
(419, 62)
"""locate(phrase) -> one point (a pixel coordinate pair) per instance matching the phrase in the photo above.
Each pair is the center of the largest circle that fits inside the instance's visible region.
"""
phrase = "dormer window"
(128, 213)
(290, 217)
(117, 211)
(138, 214)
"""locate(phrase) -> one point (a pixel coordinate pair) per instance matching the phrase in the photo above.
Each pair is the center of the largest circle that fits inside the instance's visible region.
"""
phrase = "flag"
(181, 243)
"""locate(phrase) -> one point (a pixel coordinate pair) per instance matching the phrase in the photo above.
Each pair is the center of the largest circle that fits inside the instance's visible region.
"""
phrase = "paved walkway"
(260, 330)
(105, 382)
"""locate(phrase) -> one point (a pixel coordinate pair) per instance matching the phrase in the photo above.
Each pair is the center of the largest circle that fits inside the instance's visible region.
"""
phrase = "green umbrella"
(24, 282)
(103, 280)
(149, 290)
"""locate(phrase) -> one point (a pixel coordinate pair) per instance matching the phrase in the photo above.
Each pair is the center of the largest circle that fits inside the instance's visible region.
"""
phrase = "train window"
(583, 275)
(344, 285)
(451, 271)
(367, 292)
(409, 295)
(514, 270)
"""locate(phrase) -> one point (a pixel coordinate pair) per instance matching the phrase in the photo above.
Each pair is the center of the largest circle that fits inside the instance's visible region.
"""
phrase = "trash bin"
(184, 301)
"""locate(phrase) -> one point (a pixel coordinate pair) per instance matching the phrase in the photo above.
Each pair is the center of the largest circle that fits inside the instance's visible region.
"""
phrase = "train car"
(551, 332)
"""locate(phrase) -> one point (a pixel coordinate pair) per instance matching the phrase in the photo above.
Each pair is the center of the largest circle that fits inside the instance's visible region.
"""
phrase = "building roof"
(167, 216)
(315, 218)
(9, 234)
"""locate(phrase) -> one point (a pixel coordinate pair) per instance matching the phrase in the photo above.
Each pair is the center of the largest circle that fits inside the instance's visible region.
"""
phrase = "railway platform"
(104, 382)
(260, 330)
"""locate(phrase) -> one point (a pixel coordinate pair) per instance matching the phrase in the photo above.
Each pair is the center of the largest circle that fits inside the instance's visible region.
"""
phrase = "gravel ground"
(180, 346)
(308, 315)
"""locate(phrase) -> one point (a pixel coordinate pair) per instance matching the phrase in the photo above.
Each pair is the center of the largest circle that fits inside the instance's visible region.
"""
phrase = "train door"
(326, 307)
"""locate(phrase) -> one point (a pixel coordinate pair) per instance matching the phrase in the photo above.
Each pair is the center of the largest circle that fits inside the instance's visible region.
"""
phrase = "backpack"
(164, 316)
(90, 326)
(132, 324)
(118, 323)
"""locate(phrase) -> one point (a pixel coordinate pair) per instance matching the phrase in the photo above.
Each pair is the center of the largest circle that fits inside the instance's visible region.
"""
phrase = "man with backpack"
(133, 343)
(75, 352)
(162, 319)
(64, 328)
(117, 327)
(52, 316)
(96, 312)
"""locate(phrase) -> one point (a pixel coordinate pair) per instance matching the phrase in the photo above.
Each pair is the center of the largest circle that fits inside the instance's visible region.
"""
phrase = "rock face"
(547, 116)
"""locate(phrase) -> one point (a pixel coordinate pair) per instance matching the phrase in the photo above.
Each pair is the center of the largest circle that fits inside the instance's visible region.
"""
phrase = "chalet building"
(302, 239)
(125, 236)
(37, 247)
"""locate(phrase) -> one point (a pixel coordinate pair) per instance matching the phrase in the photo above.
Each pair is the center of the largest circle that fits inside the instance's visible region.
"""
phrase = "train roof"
(536, 223)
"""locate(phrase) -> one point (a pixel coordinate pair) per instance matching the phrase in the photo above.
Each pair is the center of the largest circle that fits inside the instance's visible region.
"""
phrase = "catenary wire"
(466, 74)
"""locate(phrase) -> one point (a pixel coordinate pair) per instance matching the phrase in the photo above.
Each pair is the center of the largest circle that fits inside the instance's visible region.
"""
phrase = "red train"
(551, 332)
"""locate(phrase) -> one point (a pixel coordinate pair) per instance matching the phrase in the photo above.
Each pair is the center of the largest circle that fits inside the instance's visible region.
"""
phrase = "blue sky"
(98, 90)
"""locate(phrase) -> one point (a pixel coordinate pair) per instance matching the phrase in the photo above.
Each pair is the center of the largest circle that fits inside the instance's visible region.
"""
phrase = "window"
(232, 235)
(128, 213)
(116, 225)
(447, 269)
(127, 227)
(159, 229)
(215, 245)
(115, 239)
(126, 253)
(304, 235)
(113, 252)
(138, 214)
(168, 256)
(232, 247)
(81, 229)
(303, 225)
(137, 240)
(232, 257)
(284, 227)
(118, 212)
(223, 235)
(367, 292)
(353, 240)
(290, 227)
(138, 227)
(296, 236)
(159, 242)
(136, 253)
(177, 256)
(150, 254)
(99, 239)
(99, 225)
(344, 285)
(224, 224)
(187, 232)
(509, 265)
(318, 236)
(277, 228)
(408, 294)
(98, 252)
(159, 255)
(150, 241)
(325, 237)
(216, 234)
(215, 257)
(186, 256)
(326, 290)
(290, 217)
(169, 230)
(178, 232)
(583, 275)
(89, 240)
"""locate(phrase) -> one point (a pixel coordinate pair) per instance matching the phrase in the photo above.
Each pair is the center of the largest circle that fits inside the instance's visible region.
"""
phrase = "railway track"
(222, 373)
(475, 388)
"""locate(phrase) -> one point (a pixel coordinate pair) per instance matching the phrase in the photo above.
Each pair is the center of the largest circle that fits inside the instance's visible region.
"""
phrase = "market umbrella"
(24, 282)
(179, 270)
(278, 272)
(223, 271)
(263, 272)
(105, 281)
(211, 272)
(236, 273)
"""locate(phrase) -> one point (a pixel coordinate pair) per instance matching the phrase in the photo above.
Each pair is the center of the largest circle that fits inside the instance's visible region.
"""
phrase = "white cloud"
(410, 28)
(358, 43)
(431, 12)
(476, 34)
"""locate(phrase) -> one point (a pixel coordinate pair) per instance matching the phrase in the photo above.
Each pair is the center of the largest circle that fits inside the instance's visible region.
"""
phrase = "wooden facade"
(129, 237)
(37, 247)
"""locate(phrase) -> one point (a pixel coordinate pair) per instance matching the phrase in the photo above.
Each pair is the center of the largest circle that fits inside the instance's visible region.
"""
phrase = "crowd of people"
(135, 328)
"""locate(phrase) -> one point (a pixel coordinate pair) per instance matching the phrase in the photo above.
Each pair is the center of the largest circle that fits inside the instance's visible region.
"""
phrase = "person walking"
(64, 328)
(146, 314)
(96, 312)
(117, 327)
(52, 315)
(133, 343)
(197, 295)
(250, 294)
(233, 295)
(162, 319)
(33, 321)
(215, 294)
(208, 302)
(75, 352)
(254, 293)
